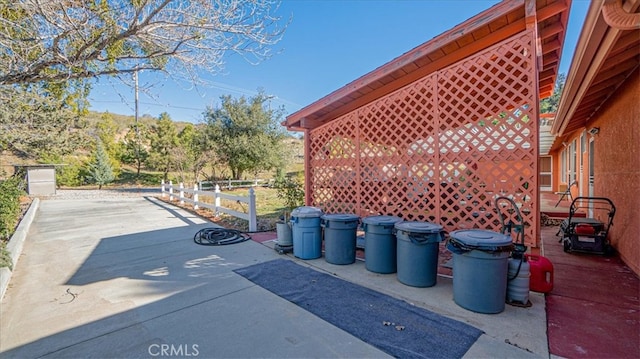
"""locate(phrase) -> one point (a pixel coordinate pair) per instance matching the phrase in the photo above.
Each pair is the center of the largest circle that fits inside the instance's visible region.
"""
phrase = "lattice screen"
(440, 149)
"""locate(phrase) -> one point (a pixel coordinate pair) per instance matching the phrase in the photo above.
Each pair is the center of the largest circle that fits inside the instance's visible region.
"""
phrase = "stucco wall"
(617, 166)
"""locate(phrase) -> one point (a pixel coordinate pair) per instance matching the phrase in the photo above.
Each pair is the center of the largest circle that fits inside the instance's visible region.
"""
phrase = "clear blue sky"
(328, 44)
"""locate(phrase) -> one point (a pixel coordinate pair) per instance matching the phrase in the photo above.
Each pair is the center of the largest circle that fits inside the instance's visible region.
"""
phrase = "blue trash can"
(340, 237)
(306, 232)
(380, 243)
(480, 266)
(418, 249)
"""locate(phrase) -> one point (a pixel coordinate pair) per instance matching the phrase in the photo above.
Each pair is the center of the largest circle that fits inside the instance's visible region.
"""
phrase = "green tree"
(134, 151)
(39, 119)
(106, 130)
(163, 139)
(246, 134)
(550, 104)
(100, 171)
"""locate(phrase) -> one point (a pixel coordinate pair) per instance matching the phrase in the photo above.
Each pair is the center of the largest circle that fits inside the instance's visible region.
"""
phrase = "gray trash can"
(480, 265)
(418, 248)
(380, 243)
(340, 237)
(306, 232)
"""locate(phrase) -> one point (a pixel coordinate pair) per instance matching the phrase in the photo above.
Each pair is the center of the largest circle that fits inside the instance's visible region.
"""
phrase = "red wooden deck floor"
(593, 310)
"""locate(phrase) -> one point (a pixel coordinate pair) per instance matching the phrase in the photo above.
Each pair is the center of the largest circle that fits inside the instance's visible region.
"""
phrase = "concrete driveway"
(122, 278)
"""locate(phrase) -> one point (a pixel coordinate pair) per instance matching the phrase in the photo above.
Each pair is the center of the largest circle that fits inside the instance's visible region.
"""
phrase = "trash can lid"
(418, 227)
(381, 220)
(480, 238)
(306, 212)
(342, 217)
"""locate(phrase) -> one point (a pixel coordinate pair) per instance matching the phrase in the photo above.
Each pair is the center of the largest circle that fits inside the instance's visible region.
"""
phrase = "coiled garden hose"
(219, 236)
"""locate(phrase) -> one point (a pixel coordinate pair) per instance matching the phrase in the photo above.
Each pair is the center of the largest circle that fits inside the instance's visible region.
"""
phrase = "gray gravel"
(104, 193)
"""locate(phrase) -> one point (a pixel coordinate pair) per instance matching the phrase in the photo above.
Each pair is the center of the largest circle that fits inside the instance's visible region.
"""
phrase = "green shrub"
(290, 190)
(10, 191)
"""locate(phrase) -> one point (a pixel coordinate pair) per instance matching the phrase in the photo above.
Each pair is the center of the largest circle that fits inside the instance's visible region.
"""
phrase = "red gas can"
(541, 279)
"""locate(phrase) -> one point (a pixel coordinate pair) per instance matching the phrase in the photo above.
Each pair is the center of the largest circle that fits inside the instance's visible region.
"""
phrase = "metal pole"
(135, 79)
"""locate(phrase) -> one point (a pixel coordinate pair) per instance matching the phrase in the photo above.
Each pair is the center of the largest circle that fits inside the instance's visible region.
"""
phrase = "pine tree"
(100, 171)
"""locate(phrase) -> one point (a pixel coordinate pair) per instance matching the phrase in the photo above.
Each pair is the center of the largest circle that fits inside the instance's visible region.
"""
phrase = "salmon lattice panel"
(440, 149)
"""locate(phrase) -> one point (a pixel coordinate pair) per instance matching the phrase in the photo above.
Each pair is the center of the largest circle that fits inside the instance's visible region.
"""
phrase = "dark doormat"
(391, 325)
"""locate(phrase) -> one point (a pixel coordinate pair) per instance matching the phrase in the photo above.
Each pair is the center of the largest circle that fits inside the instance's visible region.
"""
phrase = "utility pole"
(135, 79)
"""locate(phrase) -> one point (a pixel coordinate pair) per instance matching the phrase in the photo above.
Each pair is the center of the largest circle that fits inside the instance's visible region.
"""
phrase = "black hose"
(219, 236)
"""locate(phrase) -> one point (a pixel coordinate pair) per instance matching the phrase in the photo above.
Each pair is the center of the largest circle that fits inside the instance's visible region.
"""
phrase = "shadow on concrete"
(147, 292)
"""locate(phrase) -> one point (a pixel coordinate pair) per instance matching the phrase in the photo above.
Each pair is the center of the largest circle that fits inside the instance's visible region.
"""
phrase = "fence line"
(229, 184)
(217, 196)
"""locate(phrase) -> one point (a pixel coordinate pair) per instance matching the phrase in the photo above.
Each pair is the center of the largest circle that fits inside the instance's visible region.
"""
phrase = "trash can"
(306, 232)
(417, 252)
(380, 243)
(340, 237)
(480, 265)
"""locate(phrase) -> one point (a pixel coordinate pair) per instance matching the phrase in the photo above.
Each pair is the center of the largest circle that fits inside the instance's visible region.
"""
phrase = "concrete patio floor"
(122, 277)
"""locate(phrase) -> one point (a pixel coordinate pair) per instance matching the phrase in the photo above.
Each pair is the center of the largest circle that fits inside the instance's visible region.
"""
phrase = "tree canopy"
(39, 119)
(245, 134)
(550, 104)
(59, 40)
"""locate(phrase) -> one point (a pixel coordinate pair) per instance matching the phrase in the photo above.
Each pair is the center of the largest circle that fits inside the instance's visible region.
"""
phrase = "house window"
(545, 173)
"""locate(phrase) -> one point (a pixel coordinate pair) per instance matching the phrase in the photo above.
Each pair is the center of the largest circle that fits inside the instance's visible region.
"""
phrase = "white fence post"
(181, 193)
(253, 218)
(195, 196)
(217, 199)
(170, 191)
(162, 188)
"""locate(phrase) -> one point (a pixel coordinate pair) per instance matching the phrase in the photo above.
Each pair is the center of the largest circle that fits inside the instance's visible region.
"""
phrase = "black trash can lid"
(340, 217)
(381, 220)
(481, 238)
(306, 212)
(418, 227)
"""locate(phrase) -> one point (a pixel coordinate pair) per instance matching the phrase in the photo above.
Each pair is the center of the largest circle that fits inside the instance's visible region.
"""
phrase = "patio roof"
(607, 53)
(496, 24)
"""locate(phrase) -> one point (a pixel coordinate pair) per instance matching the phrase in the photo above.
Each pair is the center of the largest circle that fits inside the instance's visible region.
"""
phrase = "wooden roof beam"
(551, 10)
(551, 30)
(551, 46)
(621, 58)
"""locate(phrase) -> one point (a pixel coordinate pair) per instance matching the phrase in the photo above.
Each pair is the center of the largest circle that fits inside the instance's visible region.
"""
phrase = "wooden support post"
(195, 196)
(217, 200)
(253, 218)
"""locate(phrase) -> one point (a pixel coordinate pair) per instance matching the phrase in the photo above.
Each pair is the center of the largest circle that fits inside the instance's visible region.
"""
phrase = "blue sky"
(328, 44)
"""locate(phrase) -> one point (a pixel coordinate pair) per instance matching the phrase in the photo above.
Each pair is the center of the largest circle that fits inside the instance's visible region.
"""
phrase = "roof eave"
(594, 44)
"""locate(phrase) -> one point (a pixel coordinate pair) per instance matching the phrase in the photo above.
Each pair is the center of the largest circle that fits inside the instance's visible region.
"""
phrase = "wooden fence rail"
(229, 184)
(195, 194)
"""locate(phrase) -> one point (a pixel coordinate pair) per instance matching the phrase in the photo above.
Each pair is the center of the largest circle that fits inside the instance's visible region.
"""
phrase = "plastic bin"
(340, 237)
(480, 267)
(417, 252)
(380, 245)
(306, 232)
